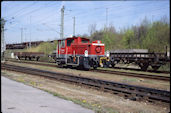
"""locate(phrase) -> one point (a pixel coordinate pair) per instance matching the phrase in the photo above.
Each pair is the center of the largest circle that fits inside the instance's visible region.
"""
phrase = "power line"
(116, 7)
(51, 28)
(29, 12)
(42, 20)
(48, 14)
(20, 10)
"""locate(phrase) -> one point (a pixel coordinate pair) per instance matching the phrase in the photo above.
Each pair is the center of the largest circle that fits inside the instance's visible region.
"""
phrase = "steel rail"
(134, 69)
(156, 77)
(147, 76)
(128, 91)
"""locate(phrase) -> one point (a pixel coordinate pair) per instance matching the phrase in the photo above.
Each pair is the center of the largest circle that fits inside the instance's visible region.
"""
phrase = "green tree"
(128, 39)
(158, 37)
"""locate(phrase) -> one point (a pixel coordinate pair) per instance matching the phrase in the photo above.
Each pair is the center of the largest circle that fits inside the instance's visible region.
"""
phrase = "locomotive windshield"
(69, 42)
(63, 43)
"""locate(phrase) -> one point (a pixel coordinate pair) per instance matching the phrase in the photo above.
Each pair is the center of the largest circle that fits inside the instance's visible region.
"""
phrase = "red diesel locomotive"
(79, 52)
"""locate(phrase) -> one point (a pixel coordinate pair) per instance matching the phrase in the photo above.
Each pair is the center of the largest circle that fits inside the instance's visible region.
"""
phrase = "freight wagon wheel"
(155, 68)
(143, 66)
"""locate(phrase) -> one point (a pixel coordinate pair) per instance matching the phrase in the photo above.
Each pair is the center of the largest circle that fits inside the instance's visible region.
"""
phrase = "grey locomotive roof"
(70, 37)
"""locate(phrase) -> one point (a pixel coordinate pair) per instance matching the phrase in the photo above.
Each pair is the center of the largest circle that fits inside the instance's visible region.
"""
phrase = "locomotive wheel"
(60, 66)
(69, 66)
(113, 65)
(37, 58)
(80, 67)
(86, 64)
(95, 65)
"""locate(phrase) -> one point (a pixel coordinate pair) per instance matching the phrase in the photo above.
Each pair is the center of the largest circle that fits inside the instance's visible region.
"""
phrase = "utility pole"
(2, 40)
(21, 35)
(30, 33)
(62, 23)
(24, 34)
(74, 26)
(106, 18)
(152, 17)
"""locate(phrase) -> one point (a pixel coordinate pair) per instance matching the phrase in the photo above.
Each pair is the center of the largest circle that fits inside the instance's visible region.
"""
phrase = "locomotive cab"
(79, 52)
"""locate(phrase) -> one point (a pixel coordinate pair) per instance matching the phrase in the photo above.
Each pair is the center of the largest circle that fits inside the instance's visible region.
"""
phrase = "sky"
(40, 20)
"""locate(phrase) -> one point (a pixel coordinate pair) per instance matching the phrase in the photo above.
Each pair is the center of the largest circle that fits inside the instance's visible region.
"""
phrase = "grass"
(95, 107)
(165, 67)
(130, 80)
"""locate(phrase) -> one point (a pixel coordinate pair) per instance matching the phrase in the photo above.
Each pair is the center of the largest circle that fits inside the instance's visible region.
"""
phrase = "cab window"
(84, 41)
(62, 43)
(69, 42)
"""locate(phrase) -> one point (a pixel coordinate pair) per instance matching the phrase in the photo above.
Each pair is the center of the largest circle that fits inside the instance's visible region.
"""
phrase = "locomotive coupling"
(104, 61)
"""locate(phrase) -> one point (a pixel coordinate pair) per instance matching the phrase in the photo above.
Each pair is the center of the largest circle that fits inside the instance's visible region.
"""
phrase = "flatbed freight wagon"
(29, 55)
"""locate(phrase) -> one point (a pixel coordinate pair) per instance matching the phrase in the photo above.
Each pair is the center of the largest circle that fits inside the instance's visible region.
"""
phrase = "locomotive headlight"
(107, 53)
(86, 53)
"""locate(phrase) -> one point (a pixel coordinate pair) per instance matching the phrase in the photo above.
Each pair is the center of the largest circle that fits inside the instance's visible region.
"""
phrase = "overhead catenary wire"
(27, 13)
(20, 10)
(106, 6)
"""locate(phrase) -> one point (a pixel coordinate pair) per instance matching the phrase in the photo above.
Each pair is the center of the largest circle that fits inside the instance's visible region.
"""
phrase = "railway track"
(132, 92)
(155, 77)
(134, 69)
(124, 68)
(147, 76)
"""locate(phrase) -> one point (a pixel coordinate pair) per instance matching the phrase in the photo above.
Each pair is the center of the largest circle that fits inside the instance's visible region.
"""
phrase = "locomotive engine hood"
(97, 47)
